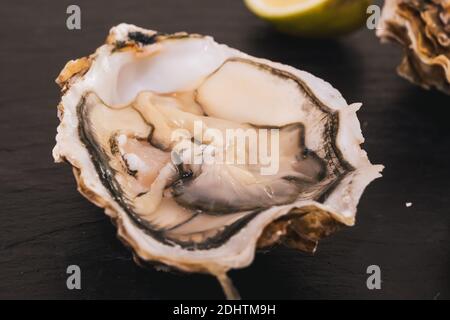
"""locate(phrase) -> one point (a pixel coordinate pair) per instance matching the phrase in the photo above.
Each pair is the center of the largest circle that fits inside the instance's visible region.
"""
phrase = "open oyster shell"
(119, 112)
(422, 27)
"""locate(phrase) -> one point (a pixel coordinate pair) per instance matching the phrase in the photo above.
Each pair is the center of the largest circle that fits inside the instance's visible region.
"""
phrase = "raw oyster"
(422, 27)
(136, 113)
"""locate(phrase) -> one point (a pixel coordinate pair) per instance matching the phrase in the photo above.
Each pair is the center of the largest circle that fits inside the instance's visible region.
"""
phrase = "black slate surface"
(45, 225)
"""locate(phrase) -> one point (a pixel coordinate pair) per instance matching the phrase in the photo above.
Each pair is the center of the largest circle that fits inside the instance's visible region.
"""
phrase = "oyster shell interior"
(136, 113)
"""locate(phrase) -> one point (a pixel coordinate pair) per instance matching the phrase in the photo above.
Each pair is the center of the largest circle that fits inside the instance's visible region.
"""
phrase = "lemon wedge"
(312, 18)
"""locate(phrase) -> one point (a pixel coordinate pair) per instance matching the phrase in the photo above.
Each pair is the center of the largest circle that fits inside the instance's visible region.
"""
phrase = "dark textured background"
(45, 225)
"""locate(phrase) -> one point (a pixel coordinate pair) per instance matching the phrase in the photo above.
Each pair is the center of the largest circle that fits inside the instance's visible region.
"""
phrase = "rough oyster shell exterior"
(422, 28)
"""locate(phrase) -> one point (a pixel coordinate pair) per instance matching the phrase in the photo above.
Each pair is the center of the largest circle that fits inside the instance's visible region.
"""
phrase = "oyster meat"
(201, 153)
(422, 27)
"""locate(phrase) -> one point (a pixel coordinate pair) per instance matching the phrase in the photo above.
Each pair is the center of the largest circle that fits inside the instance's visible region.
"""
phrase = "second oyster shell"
(422, 27)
